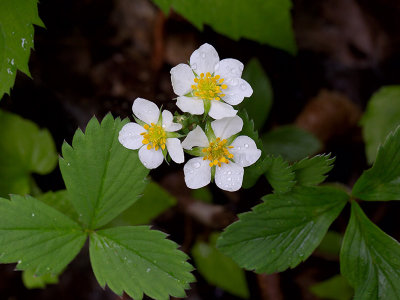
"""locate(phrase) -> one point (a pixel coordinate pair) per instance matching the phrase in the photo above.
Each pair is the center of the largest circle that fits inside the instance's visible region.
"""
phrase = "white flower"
(154, 136)
(209, 79)
(227, 159)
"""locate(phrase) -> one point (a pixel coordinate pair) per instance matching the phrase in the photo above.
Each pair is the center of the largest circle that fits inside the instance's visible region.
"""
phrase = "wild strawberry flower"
(209, 84)
(217, 152)
(153, 136)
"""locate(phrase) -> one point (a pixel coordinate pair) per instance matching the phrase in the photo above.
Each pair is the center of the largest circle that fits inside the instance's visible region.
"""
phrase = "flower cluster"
(208, 87)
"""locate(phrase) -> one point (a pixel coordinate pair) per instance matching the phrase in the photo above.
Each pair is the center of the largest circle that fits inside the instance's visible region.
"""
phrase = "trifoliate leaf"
(267, 22)
(60, 201)
(284, 230)
(334, 288)
(24, 149)
(291, 142)
(155, 200)
(16, 39)
(102, 177)
(381, 182)
(311, 171)
(381, 116)
(218, 269)
(139, 261)
(370, 259)
(38, 237)
(32, 281)
(259, 104)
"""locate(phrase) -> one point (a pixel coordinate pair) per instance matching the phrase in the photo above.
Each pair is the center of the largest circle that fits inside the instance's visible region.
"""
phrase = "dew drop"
(196, 165)
(9, 71)
(229, 172)
(229, 179)
(243, 86)
(246, 145)
(234, 82)
(216, 68)
(12, 61)
(33, 214)
(23, 41)
(238, 148)
(20, 261)
(68, 164)
(203, 55)
(194, 66)
(148, 270)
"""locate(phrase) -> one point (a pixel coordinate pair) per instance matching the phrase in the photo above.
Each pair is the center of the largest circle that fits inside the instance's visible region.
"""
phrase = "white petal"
(236, 91)
(191, 105)
(197, 173)
(175, 150)
(182, 79)
(195, 138)
(227, 127)
(129, 136)
(229, 177)
(146, 110)
(167, 123)
(204, 59)
(221, 110)
(245, 151)
(229, 68)
(151, 159)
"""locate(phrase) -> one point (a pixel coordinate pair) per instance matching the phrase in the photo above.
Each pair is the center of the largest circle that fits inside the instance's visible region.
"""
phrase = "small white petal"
(195, 138)
(182, 79)
(151, 159)
(204, 59)
(229, 68)
(167, 123)
(146, 110)
(245, 152)
(221, 110)
(227, 127)
(197, 173)
(237, 89)
(129, 136)
(175, 150)
(191, 105)
(229, 177)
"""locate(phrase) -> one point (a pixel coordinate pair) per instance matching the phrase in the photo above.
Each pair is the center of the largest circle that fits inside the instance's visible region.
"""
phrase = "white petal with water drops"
(195, 138)
(129, 136)
(237, 89)
(221, 110)
(151, 159)
(182, 79)
(175, 150)
(146, 110)
(226, 127)
(229, 177)
(245, 152)
(197, 173)
(229, 68)
(193, 106)
(204, 59)
(167, 123)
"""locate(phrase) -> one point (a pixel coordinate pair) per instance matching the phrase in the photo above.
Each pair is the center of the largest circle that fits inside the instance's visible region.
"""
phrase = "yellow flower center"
(209, 87)
(155, 137)
(217, 152)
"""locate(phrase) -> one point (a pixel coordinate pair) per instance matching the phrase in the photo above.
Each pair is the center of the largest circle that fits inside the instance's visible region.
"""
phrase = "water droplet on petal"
(229, 179)
(229, 172)
(238, 148)
(243, 86)
(196, 165)
(203, 55)
(246, 145)
(234, 82)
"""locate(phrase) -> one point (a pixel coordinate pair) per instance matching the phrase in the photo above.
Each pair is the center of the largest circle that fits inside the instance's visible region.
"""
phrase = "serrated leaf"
(291, 142)
(267, 22)
(102, 177)
(32, 281)
(284, 230)
(334, 288)
(370, 259)
(218, 269)
(16, 39)
(279, 174)
(60, 201)
(382, 181)
(381, 116)
(24, 149)
(139, 261)
(311, 171)
(38, 237)
(259, 104)
(155, 200)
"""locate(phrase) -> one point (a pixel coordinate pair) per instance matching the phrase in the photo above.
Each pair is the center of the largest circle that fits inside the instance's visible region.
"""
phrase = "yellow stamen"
(154, 137)
(208, 87)
(217, 152)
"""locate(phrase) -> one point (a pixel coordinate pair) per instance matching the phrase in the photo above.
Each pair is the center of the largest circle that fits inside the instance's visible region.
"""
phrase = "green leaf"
(381, 116)
(24, 149)
(16, 39)
(279, 174)
(382, 181)
(265, 21)
(31, 281)
(311, 171)
(218, 269)
(60, 201)
(38, 237)
(335, 288)
(102, 177)
(155, 200)
(284, 230)
(259, 104)
(291, 142)
(138, 260)
(370, 259)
